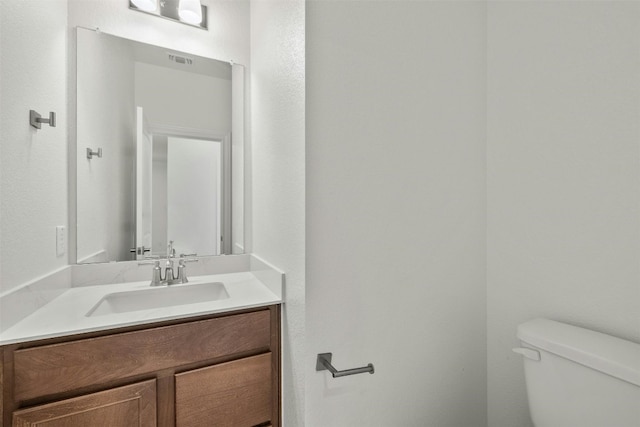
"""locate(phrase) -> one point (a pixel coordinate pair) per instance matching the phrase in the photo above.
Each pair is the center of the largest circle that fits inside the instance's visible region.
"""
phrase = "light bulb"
(190, 11)
(146, 5)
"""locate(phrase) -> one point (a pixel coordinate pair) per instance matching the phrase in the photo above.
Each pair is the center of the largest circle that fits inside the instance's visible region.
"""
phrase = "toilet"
(579, 378)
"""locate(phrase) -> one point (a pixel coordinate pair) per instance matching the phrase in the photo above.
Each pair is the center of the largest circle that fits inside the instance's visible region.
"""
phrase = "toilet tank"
(579, 378)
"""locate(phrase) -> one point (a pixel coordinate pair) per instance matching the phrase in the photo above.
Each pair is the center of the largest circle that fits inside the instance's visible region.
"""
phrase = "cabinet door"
(129, 406)
(234, 394)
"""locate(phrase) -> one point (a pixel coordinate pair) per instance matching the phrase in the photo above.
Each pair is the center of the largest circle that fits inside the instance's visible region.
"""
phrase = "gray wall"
(563, 178)
(396, 212)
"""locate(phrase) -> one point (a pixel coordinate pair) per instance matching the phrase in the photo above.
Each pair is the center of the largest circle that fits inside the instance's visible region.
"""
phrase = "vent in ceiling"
(180, 59)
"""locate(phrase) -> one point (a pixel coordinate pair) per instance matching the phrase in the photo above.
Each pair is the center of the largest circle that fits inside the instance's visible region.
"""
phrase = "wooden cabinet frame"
(171, 359)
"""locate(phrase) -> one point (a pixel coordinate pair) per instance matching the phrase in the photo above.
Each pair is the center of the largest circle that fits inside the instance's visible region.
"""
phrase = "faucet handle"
(182, 273)
(156, 279)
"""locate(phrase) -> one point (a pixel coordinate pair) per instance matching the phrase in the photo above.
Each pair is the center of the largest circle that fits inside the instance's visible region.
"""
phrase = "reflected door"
(194, 189)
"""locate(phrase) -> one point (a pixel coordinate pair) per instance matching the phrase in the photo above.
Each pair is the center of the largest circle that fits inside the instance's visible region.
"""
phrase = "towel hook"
(91, 153)
(36, 120)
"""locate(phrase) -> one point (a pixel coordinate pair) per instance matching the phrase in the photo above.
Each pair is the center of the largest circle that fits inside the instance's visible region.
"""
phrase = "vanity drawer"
(237, 393)
(133, 405)
(50, 369)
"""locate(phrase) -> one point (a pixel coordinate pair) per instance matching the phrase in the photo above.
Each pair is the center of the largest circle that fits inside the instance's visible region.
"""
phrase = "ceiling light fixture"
(146, 5)
(188, 12)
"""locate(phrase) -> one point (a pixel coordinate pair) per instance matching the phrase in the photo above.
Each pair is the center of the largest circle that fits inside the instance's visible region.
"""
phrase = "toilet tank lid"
(611, 355)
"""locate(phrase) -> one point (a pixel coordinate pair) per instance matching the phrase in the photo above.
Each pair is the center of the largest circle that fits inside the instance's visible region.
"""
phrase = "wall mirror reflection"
(158, 155)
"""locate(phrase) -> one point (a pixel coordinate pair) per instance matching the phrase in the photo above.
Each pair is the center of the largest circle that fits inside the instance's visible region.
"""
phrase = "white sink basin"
(158, 297)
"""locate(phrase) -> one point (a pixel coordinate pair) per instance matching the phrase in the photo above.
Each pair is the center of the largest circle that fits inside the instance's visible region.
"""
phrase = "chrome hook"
(36, 119)
(91, 153)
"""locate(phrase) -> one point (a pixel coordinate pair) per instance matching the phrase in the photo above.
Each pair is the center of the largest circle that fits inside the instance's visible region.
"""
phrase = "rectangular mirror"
(160, 151)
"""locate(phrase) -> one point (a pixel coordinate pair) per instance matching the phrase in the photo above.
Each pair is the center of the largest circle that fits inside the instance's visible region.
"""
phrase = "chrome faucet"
(168, 278)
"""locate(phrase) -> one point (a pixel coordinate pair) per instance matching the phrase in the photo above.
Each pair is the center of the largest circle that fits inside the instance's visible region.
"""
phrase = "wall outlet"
(61, 240)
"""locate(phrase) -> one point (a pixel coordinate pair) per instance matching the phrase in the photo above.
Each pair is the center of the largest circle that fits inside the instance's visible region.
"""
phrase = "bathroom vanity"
(130, 354)
(221, 370)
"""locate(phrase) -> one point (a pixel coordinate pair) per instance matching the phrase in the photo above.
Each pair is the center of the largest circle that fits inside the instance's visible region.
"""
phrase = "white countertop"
(67, 314)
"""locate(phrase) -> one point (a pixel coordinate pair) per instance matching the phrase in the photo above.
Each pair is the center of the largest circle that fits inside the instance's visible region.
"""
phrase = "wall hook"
(91, 153)
(36, 119)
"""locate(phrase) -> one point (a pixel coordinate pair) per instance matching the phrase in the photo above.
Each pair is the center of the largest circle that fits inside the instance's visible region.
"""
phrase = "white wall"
(396, 212)
(563, 178)
(163, 93)
(278, 181)
(33, 168)
(105, 119)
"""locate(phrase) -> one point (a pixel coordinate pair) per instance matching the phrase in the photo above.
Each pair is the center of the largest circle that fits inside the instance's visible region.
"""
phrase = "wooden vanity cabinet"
(221, 370)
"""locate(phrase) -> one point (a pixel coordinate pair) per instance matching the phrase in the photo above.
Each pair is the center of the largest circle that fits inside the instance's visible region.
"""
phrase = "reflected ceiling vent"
(180, 59)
